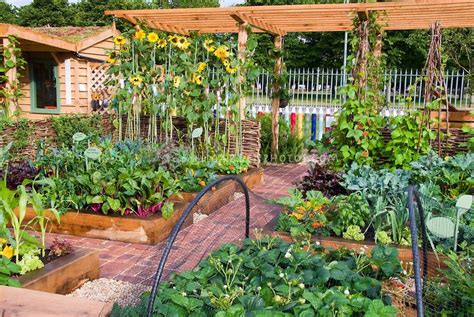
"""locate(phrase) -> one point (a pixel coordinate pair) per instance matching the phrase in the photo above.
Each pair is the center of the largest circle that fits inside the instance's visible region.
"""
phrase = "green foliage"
(232, 164)
(353, 233)
(383, 237)
(268, 277)
(65, 126)
(407, 143)
(30, 262)
(10, 92)
(46, 12)
(356, 135)
(7, 269)
(290, 146)
(345, 211)
(21, 135)
(8, 13)
(122, 180)
(452, 294)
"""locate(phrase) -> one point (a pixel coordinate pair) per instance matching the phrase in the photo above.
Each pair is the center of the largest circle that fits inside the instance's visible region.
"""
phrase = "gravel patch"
(112, 291)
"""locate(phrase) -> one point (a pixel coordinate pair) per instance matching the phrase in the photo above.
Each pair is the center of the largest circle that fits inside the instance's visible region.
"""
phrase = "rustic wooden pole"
(242, 39)
(277, 42)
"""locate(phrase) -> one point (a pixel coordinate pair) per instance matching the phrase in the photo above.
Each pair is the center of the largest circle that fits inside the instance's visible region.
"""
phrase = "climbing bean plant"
(10, 60)
(195, 77)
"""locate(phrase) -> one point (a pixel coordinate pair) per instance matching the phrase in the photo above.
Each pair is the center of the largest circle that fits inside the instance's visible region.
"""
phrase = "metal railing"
(321, 87)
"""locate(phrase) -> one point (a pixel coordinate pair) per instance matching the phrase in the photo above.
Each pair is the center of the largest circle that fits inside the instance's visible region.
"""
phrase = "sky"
(224, 3)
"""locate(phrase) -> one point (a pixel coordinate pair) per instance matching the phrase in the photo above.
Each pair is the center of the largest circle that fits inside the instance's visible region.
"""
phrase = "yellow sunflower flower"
(139, 35)
(222, 52)
(152, 37)
(119, 40)
(226, 62)
(182, 43)
(111, 59)
(201, 67)
(230, 70)
(173, 39)
(162, 43)
(136, 80)
(197, 79)
(176, 81)
(7, 252)
(208, 46)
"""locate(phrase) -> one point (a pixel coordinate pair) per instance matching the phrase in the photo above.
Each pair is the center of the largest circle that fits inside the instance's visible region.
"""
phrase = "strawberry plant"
(270, 277)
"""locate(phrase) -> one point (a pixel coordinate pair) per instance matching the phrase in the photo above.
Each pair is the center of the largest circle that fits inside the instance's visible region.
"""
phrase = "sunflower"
(197, 79)
(136, 80)
(201, 67)
(176, 81)
(226, 62)
(222, 52)
(112, 58)
(119, 40)
(208, 47)
(183, 43)
(7, 252)
(152, 37)
(230, 70)
(139, 35)
(162, 43)
(173, 39)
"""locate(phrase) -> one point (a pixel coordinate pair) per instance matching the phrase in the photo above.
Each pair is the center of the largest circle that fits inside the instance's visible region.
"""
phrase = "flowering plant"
(195, 77)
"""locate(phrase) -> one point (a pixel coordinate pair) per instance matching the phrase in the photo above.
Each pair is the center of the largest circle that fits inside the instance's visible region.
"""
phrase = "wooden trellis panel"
(97, 81)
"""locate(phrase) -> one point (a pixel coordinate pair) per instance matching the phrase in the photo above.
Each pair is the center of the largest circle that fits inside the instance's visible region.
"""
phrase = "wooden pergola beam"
(264, 26)
(167, 27)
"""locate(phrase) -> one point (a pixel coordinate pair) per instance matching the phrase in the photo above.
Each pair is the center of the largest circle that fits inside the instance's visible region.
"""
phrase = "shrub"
(320, 178)
(290, 146)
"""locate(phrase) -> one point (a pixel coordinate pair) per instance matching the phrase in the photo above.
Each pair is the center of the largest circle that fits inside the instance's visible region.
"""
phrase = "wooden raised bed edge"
(252, 178)
(30, 303)
(64, 274)
(404, 253)
(150, 230)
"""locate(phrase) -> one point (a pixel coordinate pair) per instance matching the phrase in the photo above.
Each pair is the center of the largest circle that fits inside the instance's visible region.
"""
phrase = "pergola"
(283, 19)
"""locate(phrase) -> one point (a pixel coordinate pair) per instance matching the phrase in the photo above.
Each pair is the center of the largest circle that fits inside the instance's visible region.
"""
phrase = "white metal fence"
(316, 96)
(321, 88)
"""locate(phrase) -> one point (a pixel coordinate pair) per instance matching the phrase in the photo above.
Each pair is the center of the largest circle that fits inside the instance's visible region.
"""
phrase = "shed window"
(44, 83)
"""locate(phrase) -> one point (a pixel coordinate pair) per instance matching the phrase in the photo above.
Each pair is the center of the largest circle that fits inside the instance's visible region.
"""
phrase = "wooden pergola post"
(242, 39)
(277, 69)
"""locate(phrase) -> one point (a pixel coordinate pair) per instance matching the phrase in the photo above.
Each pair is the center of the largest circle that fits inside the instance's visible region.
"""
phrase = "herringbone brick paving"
(137, 263)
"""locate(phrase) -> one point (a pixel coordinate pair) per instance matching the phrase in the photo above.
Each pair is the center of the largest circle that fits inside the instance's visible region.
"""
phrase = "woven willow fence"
(42, 132)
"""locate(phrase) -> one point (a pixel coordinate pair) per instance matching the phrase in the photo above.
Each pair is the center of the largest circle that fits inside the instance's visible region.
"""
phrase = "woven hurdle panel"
(250, 135)
(452, 144)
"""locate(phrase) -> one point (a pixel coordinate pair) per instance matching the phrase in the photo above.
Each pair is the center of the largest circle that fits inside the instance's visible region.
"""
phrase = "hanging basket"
(283, 103)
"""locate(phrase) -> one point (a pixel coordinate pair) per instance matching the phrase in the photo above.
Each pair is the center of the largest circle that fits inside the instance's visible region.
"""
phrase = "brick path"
(137, 263)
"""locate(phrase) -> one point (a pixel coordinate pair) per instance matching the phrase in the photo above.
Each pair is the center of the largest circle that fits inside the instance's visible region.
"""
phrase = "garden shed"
(64, 70)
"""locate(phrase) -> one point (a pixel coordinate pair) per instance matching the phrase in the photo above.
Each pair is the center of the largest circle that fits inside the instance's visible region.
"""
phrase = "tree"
(91, 12)
(8, 13)
(305, 50)
(47, 12)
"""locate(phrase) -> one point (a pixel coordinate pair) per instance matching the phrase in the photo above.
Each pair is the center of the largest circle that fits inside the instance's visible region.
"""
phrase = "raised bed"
(150, 230)
(224, 193)
(30, 303)
(404, 253)
(64, 274)
(132, 229)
